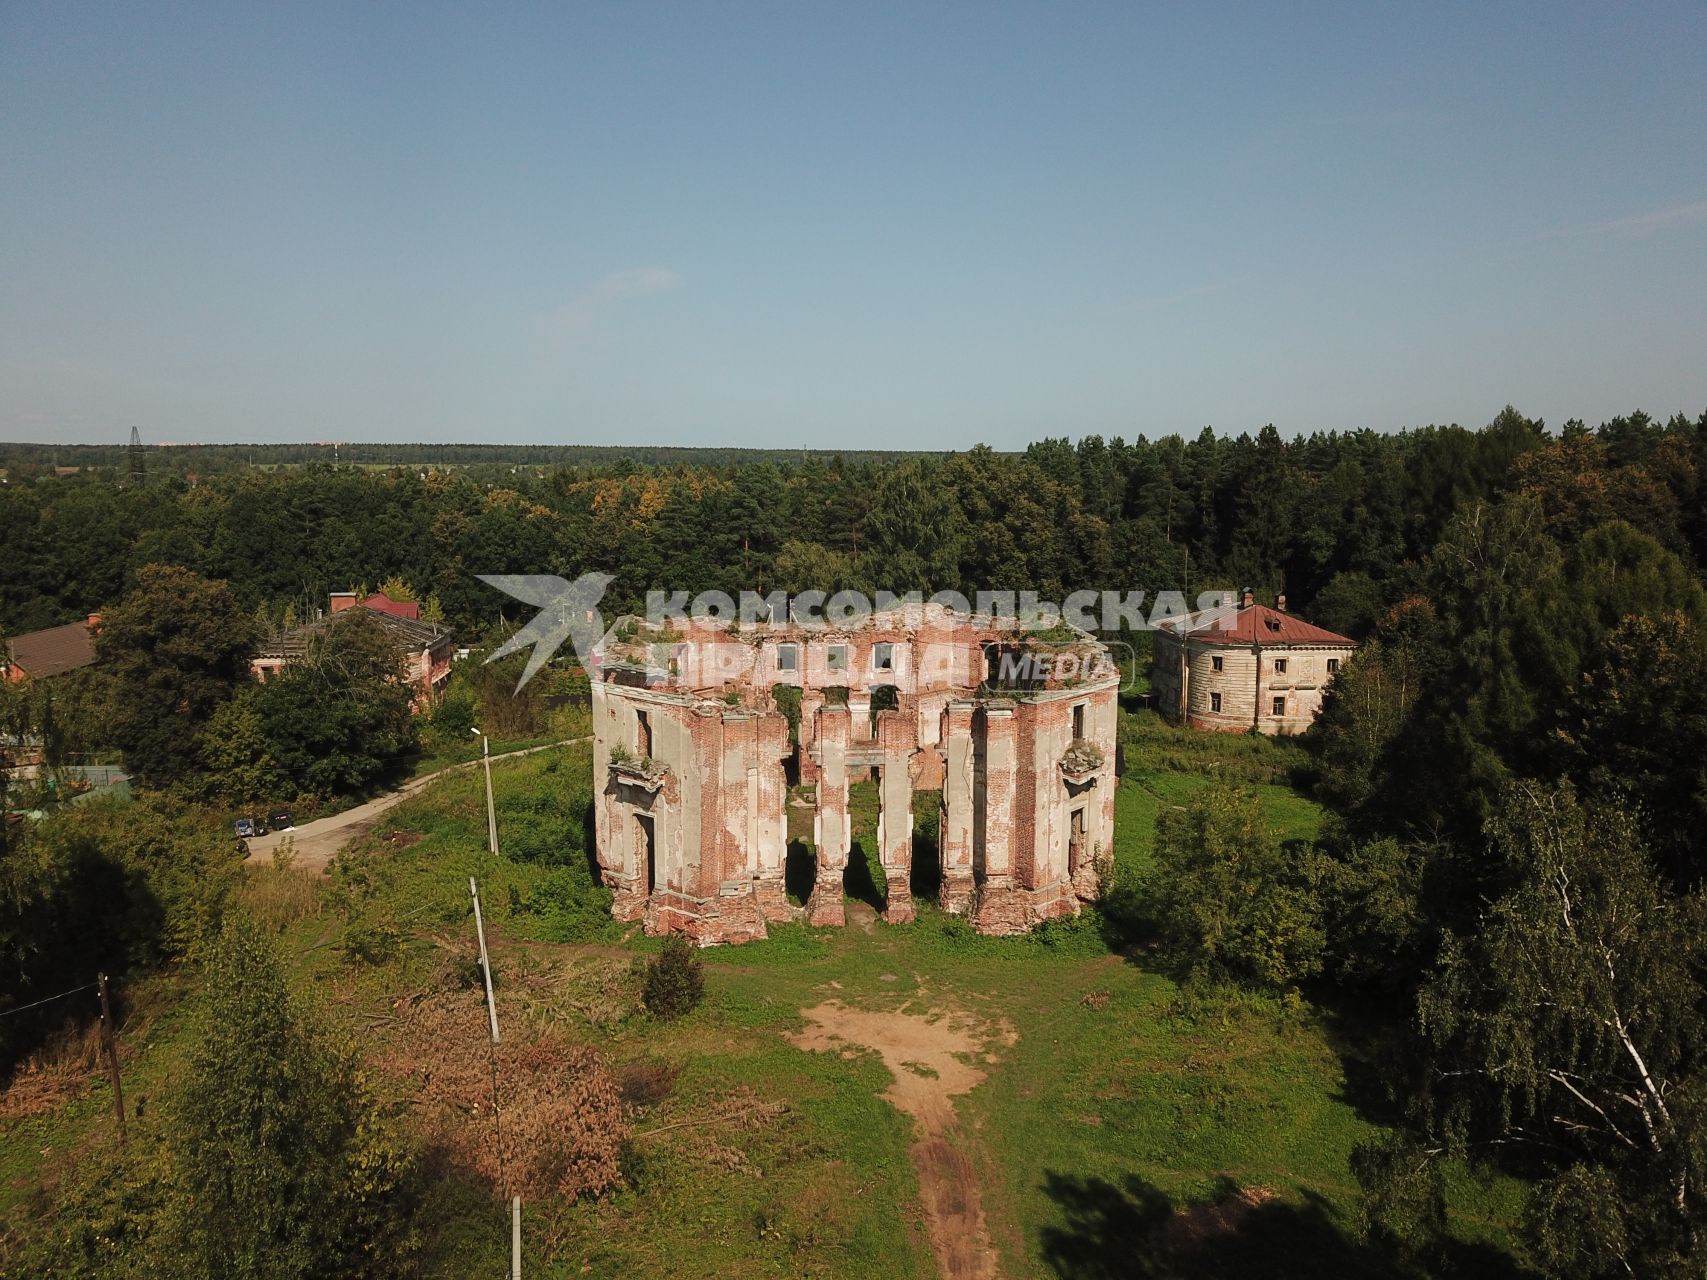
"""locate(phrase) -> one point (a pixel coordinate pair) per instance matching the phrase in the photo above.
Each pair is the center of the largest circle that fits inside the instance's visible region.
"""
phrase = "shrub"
(675, 980)
(371, 944)
(454, 716)
(1229, 902)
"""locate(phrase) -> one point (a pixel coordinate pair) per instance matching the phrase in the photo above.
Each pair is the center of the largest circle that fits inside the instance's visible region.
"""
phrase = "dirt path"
(929, 1056)
(316, 843)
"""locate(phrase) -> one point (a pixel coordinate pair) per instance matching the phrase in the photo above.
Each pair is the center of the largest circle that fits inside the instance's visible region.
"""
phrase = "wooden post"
(112, 1054)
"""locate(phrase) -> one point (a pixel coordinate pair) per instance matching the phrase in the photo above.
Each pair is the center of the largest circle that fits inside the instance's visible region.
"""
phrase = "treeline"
(31, 461)
(1515, 762)
(1336, 521)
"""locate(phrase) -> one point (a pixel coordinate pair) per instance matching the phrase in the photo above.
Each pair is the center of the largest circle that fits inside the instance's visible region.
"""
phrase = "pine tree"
(282, 1173)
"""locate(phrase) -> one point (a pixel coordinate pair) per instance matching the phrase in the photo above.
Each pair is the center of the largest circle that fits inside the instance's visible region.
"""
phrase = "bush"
(1228, 900)
(675, 980)
(454, 716)
(371, 944)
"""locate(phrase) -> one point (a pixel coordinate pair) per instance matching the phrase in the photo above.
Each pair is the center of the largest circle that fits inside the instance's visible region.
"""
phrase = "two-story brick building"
(1244, 667)
(424, 649)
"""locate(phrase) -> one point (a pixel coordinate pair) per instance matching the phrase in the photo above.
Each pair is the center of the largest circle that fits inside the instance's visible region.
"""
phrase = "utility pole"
(491, 812)
(112, 1054)
(492, 1015)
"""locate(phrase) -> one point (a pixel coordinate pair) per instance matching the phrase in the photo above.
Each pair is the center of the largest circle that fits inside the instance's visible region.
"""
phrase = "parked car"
(280, 818)
(245, 828)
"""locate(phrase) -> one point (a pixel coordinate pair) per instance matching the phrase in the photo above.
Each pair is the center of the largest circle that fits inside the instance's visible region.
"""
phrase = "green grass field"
(1119, 1103)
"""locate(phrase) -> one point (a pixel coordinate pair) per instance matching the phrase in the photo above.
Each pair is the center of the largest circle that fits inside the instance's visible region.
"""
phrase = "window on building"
(1333, 665)
(788, 657)
(1280, 666)
(1280, 706)
(836, 658)
(1215, 664)
(883, 657)
(1078, 719)
(642, 733)
(1215, 699)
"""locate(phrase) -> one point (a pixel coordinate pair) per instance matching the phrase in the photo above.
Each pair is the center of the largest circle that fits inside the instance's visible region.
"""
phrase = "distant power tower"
(138, 466)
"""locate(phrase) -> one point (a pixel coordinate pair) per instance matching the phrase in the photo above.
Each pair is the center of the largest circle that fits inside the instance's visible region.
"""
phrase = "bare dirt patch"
(930, 1058)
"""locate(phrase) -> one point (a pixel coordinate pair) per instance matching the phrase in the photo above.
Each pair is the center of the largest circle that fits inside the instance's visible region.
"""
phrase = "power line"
(6, 1013)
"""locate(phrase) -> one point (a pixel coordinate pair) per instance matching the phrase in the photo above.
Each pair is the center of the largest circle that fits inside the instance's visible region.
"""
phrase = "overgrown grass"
(1119, 1090)
(1152, 745)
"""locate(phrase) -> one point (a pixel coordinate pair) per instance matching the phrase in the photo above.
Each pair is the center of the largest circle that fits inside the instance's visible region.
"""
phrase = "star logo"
(567, 611)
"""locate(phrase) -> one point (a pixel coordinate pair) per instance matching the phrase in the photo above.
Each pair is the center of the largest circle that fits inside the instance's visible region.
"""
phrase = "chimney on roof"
(1280, 602)
(342, 600)
(1250, 598)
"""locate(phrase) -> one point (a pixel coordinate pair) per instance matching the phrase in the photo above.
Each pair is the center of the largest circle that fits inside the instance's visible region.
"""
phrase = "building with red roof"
(1246, 666)
(379, 602)
(39, 654)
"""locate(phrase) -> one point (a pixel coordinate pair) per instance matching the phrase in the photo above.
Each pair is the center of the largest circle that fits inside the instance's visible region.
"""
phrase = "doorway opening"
(645, 848)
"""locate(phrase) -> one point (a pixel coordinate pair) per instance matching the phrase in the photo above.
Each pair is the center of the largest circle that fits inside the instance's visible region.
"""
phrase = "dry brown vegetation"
(280, 894)
(55, 1073)
(561, 1115)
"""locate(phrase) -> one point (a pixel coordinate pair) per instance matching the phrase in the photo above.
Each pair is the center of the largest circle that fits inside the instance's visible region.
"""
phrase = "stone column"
(737, 854)
(1001, 908)
(811, 702)
(955, 836)
(833, 843)
(897, 844)
(768, 810)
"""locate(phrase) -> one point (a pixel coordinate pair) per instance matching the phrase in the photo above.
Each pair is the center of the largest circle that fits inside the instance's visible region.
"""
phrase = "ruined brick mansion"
(706, 735)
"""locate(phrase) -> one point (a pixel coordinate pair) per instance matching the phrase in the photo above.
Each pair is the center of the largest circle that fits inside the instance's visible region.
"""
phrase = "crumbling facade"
(1244, 666)
(1010, 737)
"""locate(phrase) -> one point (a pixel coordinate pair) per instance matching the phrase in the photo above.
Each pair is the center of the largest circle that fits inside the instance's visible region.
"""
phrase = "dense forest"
(1341, 522)
(1515, 761)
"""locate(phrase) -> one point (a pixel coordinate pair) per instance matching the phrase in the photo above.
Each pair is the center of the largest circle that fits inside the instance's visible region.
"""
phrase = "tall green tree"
(282, 1170)
(1570, 1022)
(331, 723)
(177, 648)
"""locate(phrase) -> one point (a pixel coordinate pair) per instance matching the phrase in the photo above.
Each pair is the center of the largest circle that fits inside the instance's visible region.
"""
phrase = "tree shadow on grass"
(1135, 1232)
(590, 846)
(925, 873)
(858, 882)
(799, 872)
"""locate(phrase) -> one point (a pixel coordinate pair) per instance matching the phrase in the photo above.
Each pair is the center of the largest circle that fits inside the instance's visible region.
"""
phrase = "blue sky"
(900, 226)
